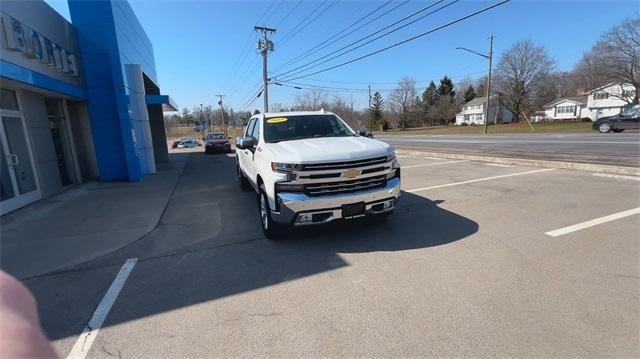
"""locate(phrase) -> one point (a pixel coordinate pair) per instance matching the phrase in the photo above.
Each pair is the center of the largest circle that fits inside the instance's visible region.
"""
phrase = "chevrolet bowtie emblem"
(351, 174)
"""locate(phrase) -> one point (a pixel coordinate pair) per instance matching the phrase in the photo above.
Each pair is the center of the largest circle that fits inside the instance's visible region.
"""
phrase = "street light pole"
(486, 111)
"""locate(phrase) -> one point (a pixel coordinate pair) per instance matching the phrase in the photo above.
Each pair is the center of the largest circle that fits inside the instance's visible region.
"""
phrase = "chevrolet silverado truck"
(311, 168)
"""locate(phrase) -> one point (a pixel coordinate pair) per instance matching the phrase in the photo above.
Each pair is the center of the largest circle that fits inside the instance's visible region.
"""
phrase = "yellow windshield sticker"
(277, 120)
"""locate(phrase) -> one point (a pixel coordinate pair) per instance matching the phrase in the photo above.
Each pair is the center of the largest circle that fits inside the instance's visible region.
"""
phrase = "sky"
(208, 47)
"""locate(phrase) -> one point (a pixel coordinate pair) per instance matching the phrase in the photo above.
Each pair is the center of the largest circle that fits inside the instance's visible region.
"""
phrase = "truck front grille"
(347, 186)
(344, 165)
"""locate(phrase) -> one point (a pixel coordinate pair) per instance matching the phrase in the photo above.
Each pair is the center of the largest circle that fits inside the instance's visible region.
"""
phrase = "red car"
(217, 142)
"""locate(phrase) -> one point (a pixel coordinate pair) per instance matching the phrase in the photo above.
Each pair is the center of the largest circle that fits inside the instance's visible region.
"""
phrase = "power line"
(304, 23)
(372, 40)
(246, 49)
(273, 12)
(403, 41)
(318, 47)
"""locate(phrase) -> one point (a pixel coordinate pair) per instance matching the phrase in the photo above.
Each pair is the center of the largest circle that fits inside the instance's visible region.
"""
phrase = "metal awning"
(168, 105)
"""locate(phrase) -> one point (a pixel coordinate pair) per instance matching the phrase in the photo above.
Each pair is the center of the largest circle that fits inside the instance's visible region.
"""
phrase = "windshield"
(289, 128)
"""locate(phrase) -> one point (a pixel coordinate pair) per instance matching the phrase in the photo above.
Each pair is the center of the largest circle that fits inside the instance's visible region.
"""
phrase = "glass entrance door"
(19, 184)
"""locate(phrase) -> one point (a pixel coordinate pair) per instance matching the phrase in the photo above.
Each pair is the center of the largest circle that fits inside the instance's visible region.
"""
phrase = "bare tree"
(615, 58)
(402, 100)
(520, 74)
(445, 109)
(311, 100)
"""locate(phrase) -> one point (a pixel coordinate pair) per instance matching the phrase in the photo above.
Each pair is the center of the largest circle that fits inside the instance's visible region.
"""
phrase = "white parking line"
(433, 164)
(608, 175)
(498, 165)
(478, 180)
(90, 332)
(593, 222)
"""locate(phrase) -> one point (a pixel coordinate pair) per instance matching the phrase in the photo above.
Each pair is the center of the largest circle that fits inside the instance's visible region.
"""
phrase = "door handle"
(13, 160)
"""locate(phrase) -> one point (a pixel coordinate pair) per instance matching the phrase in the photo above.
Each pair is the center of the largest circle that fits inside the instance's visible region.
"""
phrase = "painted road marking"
(498, 165)
(479, 180)
(90, 332)
(433, 164)
(593, 222)
(608, 175)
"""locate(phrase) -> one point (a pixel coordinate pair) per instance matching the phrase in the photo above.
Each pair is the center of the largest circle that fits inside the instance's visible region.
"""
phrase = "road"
(621, 149)
(479, 260)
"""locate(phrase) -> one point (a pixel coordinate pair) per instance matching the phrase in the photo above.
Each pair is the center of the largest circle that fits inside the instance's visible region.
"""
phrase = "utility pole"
(224, 125)
(490, 58)
(265, 46)
(369, 111)
(201, 120)
(486, 111)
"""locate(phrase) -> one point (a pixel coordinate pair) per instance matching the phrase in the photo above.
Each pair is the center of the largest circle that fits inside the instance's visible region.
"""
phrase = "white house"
(473, 112)
(609, 99)
(567, 108)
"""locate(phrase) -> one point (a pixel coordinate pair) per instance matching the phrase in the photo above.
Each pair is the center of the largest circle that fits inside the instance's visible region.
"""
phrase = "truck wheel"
(242, 180)
(271, 229)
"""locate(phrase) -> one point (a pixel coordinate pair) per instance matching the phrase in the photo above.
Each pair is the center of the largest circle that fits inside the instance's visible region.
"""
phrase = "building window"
(600, 95)
(8, 100)
(566, 109)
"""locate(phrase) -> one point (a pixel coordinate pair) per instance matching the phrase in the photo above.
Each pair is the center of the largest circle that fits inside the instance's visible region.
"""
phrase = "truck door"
(251, 153)
(244, 155)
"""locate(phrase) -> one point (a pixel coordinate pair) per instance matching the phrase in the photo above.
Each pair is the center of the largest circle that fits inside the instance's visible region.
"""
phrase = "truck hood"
(327, 149)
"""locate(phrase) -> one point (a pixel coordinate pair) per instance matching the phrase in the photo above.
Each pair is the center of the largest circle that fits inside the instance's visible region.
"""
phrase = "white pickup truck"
(312, 168)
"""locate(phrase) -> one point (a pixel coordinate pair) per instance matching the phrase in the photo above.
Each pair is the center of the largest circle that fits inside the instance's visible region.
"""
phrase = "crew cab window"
(290, 128)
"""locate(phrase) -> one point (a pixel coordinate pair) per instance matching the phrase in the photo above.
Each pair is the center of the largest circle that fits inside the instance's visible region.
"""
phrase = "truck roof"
(295, 113)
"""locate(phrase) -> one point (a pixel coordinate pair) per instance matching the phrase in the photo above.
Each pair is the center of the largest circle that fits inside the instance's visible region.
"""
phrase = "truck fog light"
(305, 218)
(387, 205)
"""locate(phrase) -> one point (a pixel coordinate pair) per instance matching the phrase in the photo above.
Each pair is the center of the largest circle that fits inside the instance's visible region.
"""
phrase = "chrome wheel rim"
(263, 212)
(605, 127)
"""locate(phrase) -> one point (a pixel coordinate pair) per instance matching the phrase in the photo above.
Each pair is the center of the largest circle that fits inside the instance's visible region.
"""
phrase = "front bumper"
(328, 208)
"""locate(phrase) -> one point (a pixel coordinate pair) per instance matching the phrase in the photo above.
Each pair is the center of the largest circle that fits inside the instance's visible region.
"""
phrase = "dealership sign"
(19, 37)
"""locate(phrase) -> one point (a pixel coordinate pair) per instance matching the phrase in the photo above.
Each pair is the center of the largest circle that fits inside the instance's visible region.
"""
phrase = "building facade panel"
(82, 90)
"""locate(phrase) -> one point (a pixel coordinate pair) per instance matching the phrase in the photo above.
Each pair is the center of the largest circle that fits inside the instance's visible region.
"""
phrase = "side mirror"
(244, 142)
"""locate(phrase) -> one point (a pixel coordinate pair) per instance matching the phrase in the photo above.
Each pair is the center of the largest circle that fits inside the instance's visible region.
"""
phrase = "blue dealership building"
(80, 101)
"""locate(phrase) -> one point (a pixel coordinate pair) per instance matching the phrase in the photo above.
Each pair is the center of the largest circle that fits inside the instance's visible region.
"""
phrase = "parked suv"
(629, 118)
(312, 168)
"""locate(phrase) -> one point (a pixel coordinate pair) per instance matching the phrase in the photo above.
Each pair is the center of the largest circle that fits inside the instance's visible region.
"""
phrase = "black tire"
(271, 229)
(605, 127)
(242, 180)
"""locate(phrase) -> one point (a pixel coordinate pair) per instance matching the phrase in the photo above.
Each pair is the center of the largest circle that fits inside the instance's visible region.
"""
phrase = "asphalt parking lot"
(478, 260)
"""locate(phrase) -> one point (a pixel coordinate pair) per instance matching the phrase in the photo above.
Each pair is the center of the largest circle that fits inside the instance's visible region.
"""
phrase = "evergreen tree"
(469, 94)
(377, 106)
(446, 88)
(429, 95)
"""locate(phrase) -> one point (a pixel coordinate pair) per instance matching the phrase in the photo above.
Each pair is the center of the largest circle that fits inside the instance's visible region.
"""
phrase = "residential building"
(79, 101)
(473, 112)
(567, 108)
(603, 101)
(608, 100)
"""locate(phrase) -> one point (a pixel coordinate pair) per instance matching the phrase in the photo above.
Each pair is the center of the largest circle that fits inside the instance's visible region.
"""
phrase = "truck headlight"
(285, 167)
(391, 156)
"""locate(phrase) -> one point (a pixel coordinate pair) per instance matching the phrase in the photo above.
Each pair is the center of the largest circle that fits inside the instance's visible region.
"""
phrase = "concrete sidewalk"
(85, 222)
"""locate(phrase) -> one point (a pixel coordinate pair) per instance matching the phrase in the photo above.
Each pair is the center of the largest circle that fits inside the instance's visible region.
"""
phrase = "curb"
(591, 167)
